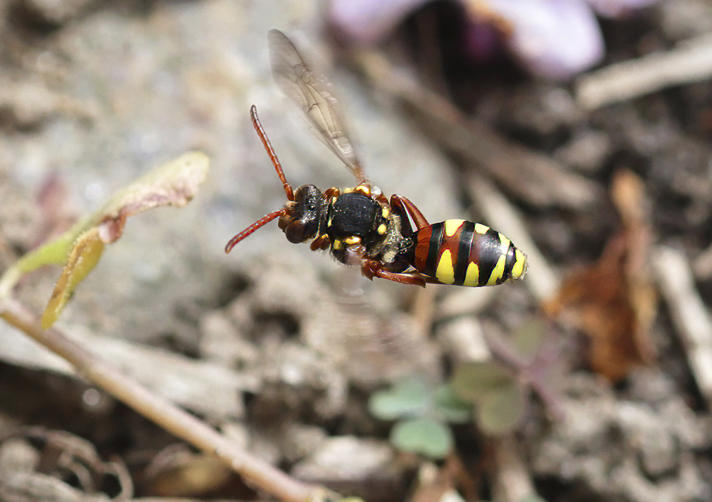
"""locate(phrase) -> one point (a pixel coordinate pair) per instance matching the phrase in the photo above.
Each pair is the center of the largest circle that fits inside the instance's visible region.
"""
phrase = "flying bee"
(360, 225)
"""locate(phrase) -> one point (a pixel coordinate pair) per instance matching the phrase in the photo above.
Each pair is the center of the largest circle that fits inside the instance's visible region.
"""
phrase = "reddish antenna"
(270, 151)
(256, 225)
(280, 173)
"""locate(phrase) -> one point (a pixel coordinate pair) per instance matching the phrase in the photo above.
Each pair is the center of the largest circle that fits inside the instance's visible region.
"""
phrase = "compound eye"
(296, 232)
(301, 230)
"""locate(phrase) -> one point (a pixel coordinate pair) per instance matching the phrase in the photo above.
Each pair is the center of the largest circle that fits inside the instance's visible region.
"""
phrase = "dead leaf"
(613, 301)
(42, 464)
(79, 248)
(174, 184)
(179, 472)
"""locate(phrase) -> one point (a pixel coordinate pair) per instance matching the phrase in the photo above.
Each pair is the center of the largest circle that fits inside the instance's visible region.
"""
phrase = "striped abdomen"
(467, 254)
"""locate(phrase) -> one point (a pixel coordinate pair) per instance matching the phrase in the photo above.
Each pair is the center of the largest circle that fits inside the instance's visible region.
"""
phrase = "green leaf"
(407, 397)
(422, 435)
(473, 380)
(529, 337)
(79, 248)
(450, 406)
(83, 258)
(532, 498)
(499, 412)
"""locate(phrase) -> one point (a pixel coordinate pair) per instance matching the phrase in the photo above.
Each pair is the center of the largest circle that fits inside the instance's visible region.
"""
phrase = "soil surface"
(282, 348)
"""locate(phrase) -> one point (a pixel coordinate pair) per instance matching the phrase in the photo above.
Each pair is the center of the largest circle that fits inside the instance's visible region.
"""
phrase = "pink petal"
(551, 38)
(368, 21)
(618, 8)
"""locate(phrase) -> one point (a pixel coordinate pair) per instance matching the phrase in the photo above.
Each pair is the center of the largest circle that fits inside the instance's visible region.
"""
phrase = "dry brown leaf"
(174, 183)
(177, 472)
(613, 300)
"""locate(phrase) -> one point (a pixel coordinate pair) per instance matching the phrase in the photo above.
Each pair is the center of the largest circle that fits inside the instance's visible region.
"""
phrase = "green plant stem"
(161, 411)
(51, 253)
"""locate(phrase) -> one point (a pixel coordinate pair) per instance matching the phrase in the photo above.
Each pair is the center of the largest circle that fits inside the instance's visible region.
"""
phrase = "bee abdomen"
(464, 253)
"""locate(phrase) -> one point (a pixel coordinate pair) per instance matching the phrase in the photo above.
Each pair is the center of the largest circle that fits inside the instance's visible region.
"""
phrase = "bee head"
(300, 220)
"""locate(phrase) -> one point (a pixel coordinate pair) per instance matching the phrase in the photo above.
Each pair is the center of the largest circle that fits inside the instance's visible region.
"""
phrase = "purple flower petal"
(551, 38)
(368, 21)
(618, 8)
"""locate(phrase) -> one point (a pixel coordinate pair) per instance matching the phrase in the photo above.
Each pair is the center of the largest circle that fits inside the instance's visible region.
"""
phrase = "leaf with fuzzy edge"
(500, 411)
(475, 379)
(450, 407)
(406, 398)
(422, 435)
(497, 395)
(532, 498)
(79, 248)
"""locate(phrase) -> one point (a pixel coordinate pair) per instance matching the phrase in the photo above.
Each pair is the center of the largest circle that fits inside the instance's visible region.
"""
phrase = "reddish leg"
(374, 268)
(270, 152)
(400, 202)
(321, 242)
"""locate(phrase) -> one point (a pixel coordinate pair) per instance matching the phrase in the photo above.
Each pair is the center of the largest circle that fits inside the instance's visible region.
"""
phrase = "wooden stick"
(535, 178)
(690, 61)
(688, 312)
(161, 411)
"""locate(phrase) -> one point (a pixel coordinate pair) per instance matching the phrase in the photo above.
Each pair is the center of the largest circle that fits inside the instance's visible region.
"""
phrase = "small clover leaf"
(475, 379)
(496, 393)
(422, 435)
(449, 405)
(408, 397)
(500, 411)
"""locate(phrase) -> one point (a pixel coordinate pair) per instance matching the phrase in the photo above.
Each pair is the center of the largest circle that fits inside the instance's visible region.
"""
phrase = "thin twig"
(690, 62)
(202, 387)
(688, 312)
(161, 411)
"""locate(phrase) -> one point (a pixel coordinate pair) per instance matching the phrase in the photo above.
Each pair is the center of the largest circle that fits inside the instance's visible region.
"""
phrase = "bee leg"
(401, 204)
(321, 242)
(374, 268)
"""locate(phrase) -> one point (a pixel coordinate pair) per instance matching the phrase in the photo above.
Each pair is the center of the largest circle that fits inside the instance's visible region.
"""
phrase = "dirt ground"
(283, 349)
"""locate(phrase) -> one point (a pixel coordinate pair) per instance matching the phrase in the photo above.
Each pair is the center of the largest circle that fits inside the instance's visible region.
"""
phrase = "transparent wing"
(312, 94)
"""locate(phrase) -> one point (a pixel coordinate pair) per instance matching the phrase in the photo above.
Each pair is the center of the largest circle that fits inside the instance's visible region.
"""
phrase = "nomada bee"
(359, 224)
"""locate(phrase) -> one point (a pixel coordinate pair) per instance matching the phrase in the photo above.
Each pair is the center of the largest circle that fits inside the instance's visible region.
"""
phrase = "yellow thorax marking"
(385, 212)
(364, 189)
(336, 244)
(382, 229)
(352, 239)
(445, 272)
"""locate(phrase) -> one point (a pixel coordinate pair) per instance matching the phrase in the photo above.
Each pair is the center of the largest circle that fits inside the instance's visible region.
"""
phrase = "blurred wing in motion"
(312, 94)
